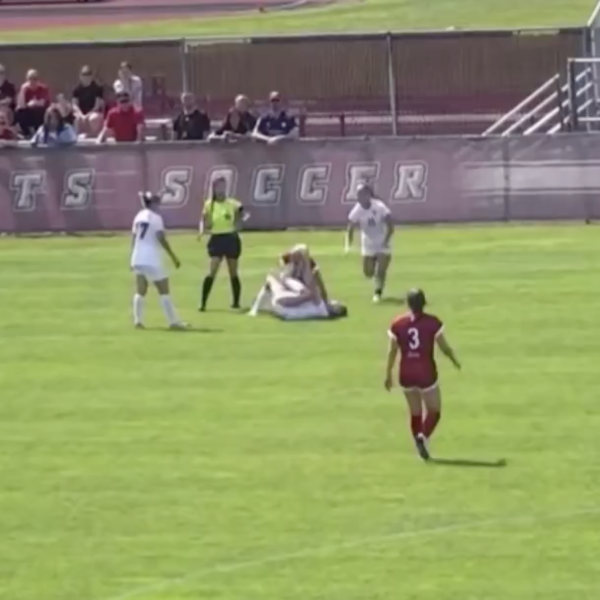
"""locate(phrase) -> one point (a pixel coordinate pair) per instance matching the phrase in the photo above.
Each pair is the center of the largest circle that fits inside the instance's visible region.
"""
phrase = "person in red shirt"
(32, 102)
(124, 122)
(7, 133)
(414, 335)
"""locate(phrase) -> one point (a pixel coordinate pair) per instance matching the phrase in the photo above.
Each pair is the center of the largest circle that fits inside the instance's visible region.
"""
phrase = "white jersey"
(147, 251)
(373, 227)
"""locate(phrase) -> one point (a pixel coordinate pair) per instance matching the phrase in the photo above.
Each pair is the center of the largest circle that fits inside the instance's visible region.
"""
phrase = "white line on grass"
(335, 548)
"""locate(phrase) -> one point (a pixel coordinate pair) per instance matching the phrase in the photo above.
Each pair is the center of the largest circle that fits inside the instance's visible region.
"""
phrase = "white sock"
(261, 300)
(138, 309)
(169, 309)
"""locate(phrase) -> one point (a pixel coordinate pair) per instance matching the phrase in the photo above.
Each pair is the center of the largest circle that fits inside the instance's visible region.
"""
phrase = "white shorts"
(306, 311)
(150, 272)
(371, 248)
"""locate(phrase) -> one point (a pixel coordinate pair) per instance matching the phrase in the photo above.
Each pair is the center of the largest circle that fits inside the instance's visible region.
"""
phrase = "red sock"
(430, 423)
(416, 424)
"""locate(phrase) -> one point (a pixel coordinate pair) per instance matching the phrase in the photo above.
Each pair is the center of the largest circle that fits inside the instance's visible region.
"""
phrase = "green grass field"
(263, 461)
(368, 15)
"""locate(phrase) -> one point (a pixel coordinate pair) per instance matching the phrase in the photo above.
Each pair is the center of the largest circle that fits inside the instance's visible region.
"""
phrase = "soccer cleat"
(202, 309)
(235, 307)
(139, 326)
(421, 443)
(179, 326)
(377, 298)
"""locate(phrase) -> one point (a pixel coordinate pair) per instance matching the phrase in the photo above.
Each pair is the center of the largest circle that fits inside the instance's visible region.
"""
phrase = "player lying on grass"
(148, 240)
(298, 292)
(414, 335)
(374, 219)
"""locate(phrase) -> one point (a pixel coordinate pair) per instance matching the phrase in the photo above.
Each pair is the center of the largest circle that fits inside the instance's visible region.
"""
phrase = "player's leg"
(432, 399)
(234, 251)
(413, 399)
(216, 255)
(382, 264)
(368, 265)
(162, 286)
(288, 292)
(141, 289)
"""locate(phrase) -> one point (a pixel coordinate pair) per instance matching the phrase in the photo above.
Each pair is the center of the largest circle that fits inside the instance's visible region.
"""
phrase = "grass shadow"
(465, 462)
(206, 330)
(393, 301)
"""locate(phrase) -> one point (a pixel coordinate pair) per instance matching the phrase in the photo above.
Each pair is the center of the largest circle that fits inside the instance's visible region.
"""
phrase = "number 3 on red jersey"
(414, 342)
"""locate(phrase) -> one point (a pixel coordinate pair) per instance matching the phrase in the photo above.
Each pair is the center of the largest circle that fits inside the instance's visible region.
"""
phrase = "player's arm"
(446, 349)
(390, 228)
(352, 223)
(205, 224)
(162, 240)
(240, 215)
(320, 283)
(392, 355)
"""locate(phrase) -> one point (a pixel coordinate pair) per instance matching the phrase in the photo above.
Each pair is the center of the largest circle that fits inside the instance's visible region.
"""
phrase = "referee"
(222, 220)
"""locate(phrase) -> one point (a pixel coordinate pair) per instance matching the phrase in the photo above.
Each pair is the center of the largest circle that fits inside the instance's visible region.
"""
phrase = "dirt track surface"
(23, 16)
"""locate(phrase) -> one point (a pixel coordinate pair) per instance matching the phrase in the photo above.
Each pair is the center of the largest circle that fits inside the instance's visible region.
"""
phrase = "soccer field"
(257, 460)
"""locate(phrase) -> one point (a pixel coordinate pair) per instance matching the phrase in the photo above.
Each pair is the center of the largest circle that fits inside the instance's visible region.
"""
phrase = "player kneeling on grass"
(415, 335)
(298, 292)
(374, 219)
(146, 261)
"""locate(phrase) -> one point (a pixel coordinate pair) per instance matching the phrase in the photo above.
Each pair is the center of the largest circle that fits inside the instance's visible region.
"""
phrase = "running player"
(415, 335)
(149, 237)
(374, 219)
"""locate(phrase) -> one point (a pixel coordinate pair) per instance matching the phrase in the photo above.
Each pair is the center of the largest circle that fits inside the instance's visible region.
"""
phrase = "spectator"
(67, 111)
(88, 100)
(239, 123)
(8, 136)
(130, 83)
(276, 125)
(54, 132)
(8, 91)
(32, 102)
(191, 123)
(124, 122)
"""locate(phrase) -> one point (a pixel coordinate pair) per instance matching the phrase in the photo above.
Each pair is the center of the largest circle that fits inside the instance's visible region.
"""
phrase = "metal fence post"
(392, 82)
(183, 58)
(572, 81)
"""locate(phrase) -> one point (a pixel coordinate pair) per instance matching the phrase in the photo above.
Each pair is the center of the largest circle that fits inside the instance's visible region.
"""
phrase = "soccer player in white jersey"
(374, 219)
(149, 239)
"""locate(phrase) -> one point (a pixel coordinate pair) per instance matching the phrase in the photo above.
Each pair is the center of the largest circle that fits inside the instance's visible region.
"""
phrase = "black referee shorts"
(225, 245)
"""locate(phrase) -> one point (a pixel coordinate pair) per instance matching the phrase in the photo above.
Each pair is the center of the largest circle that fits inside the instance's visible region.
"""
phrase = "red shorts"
(418, 379)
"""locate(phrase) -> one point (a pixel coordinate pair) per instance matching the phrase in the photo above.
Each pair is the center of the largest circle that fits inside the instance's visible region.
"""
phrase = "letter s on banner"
(175, 186)
(410, 182)
(26, 185)
(267, 181)
(227, 172)
(78, 189)
(313, 183)
(357, 173)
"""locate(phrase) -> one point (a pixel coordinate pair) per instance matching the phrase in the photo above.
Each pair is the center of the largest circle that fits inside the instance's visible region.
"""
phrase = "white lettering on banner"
(266, 185)
(227, 172)
(410, 182)
(313, 183)
(78, 189)
(357, 174)
(26, 186)
(175, 186)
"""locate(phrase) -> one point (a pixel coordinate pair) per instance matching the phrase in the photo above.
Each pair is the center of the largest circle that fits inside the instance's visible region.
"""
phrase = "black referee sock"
(206, 287)
(236, 291)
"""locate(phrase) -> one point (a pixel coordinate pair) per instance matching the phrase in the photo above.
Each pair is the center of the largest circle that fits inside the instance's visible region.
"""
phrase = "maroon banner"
(306, 183)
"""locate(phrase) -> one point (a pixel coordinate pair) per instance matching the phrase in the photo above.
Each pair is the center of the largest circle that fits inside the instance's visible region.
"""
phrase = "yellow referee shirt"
(222, 214)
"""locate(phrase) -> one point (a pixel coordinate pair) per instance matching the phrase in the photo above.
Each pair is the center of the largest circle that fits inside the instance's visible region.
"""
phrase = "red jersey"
(416, 336)
(39, 92)
(123, 122)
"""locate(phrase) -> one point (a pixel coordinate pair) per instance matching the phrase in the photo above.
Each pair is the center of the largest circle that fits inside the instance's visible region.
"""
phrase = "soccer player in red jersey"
(414, 335)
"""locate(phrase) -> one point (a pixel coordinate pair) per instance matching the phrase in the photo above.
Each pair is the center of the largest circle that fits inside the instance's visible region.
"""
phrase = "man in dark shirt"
(276, 125)
(191, 123)
(88, 101)
(8, 91)
(238, 124)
